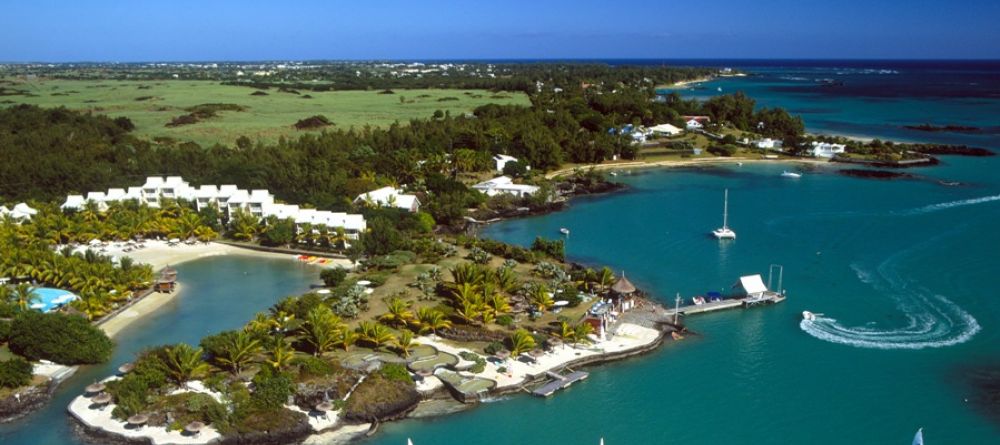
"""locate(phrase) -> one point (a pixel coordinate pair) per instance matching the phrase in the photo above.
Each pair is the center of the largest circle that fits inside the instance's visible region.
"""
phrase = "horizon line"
(513, 59)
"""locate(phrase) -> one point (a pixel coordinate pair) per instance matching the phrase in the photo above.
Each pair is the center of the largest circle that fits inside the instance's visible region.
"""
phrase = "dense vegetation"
(15, 372)
(61, 338)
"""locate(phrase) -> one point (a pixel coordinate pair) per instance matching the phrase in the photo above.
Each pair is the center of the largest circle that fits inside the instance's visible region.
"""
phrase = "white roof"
(72, 202)
(153, 181)
(115, 195)
(96, 196)
(499, 180)
(753, 284)
(505, 158)
(381, 196)
(666, 128)
(22, 210)
(207, 191)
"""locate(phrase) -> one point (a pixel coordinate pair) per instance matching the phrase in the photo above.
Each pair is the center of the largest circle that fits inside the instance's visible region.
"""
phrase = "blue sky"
(182, 30)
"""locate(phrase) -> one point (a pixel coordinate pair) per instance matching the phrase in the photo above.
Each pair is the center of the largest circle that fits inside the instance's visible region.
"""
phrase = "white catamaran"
(724, 232)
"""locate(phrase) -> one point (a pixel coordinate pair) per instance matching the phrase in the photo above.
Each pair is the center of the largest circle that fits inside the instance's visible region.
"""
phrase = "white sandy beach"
(626, 337)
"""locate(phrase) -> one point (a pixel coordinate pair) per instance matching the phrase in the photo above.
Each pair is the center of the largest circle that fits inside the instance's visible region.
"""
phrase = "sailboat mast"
(725, 211)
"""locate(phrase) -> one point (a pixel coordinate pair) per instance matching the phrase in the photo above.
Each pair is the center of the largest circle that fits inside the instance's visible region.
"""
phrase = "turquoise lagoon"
(219, 293)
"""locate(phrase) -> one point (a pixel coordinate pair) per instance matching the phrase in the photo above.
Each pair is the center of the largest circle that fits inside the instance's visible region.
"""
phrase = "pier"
(732, 303)
(559, 382)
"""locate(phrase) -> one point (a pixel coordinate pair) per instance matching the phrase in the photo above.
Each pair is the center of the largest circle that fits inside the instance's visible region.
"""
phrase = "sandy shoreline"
(159, 255)
(680, 163)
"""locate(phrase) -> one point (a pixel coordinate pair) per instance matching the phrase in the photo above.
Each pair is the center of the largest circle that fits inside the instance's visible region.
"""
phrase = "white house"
(20, 212)
(504, 185)
(666, 130)
(390, 197)
(826, 149)
(693, 124)
(502, 160)
(768, 144)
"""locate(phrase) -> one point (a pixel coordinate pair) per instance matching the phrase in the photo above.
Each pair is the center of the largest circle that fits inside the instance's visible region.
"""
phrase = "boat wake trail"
(932, 320)
(948, 205)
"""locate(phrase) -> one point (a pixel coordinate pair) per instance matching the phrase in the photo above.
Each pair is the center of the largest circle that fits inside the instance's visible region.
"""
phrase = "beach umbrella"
(138, 420)
(324, 407)
(102, 399)
(535, 353)
(425, 372)
(125, 368)
(502, 354)
(194, 427)
(94, 388)
(554, 341)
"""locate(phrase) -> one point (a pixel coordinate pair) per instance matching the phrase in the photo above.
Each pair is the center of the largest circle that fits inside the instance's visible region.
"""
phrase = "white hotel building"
(227, 198)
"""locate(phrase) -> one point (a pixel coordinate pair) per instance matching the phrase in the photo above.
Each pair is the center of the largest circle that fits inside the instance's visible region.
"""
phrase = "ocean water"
(219, 293)
(902, 272)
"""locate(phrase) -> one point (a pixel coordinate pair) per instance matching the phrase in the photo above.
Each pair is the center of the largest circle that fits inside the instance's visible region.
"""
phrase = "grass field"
(151, 105)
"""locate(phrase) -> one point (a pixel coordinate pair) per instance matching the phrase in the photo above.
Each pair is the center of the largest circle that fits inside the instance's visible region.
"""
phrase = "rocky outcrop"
(293, 433)
(378, 399)
(25, 401)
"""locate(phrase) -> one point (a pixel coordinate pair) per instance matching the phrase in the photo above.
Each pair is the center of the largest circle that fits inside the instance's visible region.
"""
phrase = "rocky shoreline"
(26, 401)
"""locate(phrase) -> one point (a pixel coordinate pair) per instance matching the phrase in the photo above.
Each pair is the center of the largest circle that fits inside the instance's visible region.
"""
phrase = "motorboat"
(724, 232)
(788, 174)
(699, 300)
(564, 231)
(808, 316)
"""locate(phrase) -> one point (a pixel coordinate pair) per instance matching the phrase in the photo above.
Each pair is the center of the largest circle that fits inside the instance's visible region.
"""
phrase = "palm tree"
(465, 292)
(376, 334)
(566, 332)
(345, 338)
(467, 273)
(605, 278)
(281, 355)
(521, 341)
(183, 362)
(468, 311)
(238, 351)
(321, 329)
(581, 332)
(404, 342)
(506, 280)
(397, 312)
(24, 295)
(431, 320)
(260, 325)
(540, 298)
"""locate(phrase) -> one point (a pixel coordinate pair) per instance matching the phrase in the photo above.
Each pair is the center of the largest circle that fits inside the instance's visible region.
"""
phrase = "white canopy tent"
(753, 285)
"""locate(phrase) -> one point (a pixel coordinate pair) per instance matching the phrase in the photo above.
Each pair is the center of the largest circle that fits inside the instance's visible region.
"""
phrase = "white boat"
(699, 300)
(564, 231)
(918, 439)
(788, 174)
(724, 232)
(809, 316)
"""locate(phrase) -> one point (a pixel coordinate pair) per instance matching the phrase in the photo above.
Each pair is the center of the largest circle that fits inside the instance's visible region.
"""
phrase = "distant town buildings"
(389, 197)
(768, 144)
(696, 122)
(504, 185)
(229, 199)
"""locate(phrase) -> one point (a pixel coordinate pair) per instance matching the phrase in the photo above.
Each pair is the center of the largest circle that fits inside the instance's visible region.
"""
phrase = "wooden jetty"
(559, 382)
(732, 303)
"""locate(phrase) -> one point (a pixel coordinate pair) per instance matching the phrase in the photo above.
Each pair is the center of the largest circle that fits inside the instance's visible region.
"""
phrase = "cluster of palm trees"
(95, 278)
(479, 294)
(121, 221)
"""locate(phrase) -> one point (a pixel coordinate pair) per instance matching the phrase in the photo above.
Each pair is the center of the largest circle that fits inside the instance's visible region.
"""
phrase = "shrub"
(4, 331)
(15, 372)
(333, 277)
(466, 355)
(396, 372)
(61, 338)
(722, 150)
(479, 256)
(493, 347)
(505, 320)
(271, 389)
(478, 367)
(554, 248)
(313, 366)
(132, 392)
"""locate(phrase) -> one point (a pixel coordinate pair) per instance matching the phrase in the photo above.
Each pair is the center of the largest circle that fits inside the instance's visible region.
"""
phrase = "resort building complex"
(19, 212)
(229, 199)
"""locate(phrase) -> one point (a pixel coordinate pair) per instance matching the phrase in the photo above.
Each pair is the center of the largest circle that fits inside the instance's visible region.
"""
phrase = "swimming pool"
(51, 298)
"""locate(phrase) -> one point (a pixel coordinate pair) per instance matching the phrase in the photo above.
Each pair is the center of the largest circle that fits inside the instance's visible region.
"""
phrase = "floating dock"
(559, 382)
(733, 303)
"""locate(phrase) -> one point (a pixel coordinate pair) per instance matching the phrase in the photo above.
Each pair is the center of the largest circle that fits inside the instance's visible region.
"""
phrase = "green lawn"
(267, 117)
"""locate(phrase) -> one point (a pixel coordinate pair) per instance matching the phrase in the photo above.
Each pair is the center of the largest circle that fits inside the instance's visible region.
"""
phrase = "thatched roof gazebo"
(194, 428)
(623, 286)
